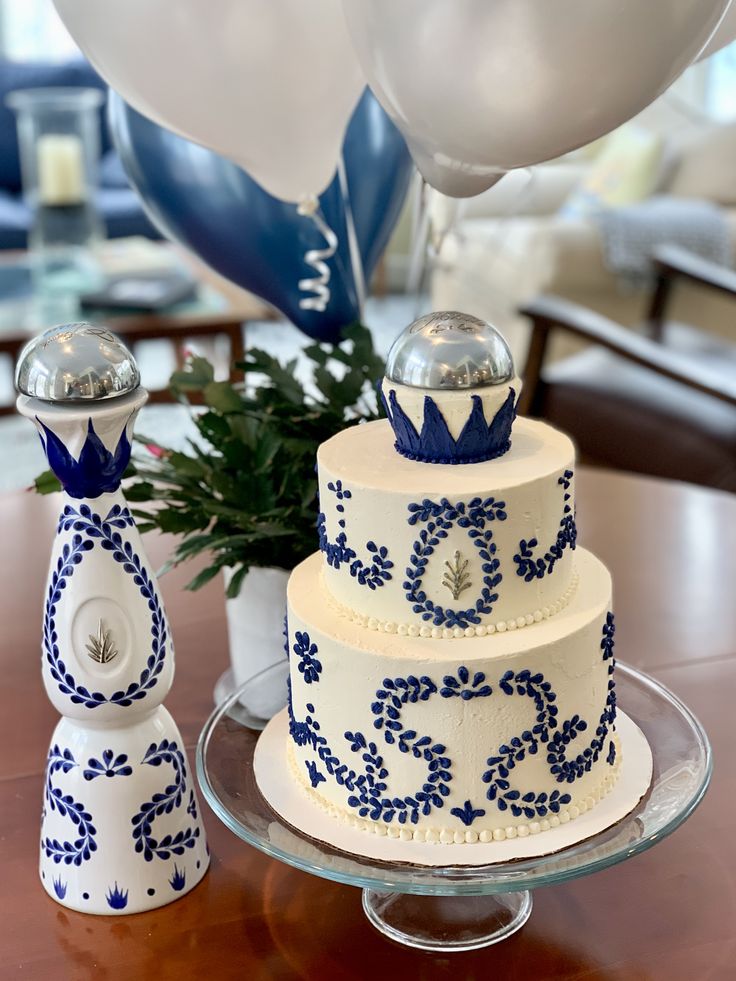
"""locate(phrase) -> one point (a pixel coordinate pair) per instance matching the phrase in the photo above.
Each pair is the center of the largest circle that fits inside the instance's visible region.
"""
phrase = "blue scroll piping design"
(367, 780)
(537, 567)
(372, 572)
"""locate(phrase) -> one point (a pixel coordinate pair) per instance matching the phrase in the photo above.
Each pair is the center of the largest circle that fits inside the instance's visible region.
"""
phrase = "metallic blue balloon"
(216, 210)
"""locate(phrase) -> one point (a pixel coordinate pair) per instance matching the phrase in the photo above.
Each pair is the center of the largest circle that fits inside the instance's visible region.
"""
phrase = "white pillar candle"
(60, 169)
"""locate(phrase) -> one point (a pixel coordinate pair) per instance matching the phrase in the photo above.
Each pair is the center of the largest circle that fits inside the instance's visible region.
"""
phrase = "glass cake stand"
(457, 907)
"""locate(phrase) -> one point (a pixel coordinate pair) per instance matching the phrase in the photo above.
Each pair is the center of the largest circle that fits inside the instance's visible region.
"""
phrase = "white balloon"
(725, 34)
(479, 87)
(271, 85)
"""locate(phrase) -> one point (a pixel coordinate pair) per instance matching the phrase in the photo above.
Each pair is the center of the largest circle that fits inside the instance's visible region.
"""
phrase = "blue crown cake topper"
(450, 390)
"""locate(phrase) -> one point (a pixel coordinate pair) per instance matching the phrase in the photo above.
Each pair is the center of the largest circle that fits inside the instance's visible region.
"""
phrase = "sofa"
(493, 253)
(118, 204)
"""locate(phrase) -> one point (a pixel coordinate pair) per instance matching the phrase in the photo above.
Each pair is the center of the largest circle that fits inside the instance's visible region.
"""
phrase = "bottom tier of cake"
(457, 740)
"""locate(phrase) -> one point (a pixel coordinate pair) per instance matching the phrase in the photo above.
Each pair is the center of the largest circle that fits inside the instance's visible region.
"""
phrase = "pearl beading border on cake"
(449, 633)
(449, 836)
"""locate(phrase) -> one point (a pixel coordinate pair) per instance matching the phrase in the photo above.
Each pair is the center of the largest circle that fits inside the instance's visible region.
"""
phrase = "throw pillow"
(625, 171)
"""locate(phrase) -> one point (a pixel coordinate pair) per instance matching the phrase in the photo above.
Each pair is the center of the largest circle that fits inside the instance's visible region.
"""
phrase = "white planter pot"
(255, 622)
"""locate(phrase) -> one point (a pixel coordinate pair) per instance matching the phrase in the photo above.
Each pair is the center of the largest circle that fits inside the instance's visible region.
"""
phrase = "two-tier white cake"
(451, 649)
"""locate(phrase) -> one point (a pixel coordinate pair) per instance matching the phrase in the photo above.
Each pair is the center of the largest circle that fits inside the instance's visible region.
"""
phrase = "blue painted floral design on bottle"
(90, 528)
(116, 898)
(163, 802)
(109, 766)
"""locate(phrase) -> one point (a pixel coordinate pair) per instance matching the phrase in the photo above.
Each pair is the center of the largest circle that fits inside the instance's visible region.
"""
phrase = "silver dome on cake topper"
(76, 363)
(449, 350)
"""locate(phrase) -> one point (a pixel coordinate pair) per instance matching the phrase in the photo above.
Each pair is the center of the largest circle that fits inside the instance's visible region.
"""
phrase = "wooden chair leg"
(658, 305)
(530, 393)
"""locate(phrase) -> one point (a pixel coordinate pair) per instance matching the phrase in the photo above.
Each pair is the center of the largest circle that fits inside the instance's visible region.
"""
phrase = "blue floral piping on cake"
(97, 471)
(368, 784)
(548, 732)
(439, 519)
(531, 567)
(467, 813)
(309, 666)
(607, 642)
(80, 849)
(478, 441)
(315, 777)
(368, 788)
(453, 687)
(375, 570)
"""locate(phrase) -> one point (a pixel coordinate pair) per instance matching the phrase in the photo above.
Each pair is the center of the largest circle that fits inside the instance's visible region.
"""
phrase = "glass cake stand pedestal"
(459, 907)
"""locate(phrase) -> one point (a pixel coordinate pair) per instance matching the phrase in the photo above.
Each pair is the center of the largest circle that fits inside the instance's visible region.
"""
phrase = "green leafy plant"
(245, 490)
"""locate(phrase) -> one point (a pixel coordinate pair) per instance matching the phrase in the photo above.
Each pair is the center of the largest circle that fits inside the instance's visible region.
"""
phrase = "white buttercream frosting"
(371, 489)
(341, 685)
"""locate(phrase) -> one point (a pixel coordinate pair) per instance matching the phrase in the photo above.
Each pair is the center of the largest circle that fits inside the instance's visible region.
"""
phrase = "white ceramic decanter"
(121, 828)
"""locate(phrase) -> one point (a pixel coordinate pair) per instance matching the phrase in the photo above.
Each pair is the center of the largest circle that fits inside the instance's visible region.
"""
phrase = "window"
(31, 30)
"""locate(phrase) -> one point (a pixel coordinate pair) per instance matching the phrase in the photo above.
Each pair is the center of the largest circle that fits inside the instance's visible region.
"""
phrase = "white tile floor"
(21, 456)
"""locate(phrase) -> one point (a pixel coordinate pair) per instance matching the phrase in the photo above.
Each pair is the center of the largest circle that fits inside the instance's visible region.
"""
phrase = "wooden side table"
(223, 309)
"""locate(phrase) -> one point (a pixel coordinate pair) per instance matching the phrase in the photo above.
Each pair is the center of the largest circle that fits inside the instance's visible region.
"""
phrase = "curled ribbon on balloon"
(316, 258)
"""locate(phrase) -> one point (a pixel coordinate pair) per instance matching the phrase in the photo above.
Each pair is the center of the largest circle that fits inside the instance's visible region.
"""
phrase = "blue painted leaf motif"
(467, 813)
(98, 529)
(478, 440)
(178, 879)
(163, 802)
(376, 570)
(80, 849)
(60, 888)
(116, 898)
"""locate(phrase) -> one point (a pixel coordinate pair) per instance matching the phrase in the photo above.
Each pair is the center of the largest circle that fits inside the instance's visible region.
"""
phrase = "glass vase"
(59, 146)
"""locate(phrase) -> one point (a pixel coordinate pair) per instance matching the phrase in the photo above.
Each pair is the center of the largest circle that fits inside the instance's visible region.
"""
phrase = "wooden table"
(667, 914)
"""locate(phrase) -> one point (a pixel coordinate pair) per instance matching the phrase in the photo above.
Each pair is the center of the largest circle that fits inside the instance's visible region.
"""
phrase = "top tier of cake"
(440, 550)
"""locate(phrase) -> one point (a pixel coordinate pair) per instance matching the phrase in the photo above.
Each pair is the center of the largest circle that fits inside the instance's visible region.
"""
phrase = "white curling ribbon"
(317, 285)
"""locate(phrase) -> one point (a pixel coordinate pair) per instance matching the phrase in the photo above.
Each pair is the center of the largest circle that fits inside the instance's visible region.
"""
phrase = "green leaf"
(236, 581)
(186, 465)
(177, 520)
(203, 577)
(222, 397)
(143, 490)
(197, 374)
(47, 483)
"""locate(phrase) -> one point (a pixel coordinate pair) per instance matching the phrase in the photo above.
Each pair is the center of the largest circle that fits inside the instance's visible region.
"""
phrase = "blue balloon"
(216, 210)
